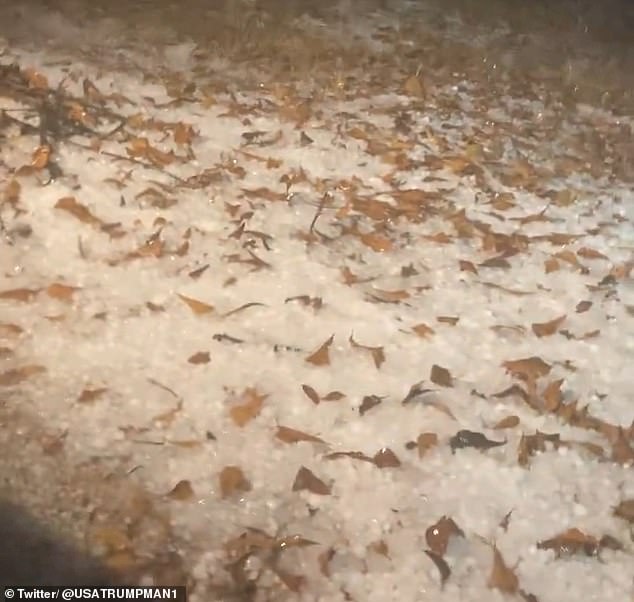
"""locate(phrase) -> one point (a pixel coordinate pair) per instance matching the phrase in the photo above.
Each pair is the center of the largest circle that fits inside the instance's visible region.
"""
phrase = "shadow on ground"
(33, 555)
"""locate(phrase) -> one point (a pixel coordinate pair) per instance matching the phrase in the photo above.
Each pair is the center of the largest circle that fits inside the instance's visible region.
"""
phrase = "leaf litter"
(555, 290)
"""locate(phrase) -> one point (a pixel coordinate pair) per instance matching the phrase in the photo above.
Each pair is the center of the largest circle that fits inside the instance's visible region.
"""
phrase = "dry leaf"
(622, 451)
(528, 368)
(437, 535)
(90, 395)
(423, 331)
(507, 422)
(376, 242)
(571, 541)
(553, 396)
(546, 329)
(467, 266)
(232, 480)
(200, 357)
(465, 438)
(502, 577)
(425, 442)
(377, 352)
(77, 210)
(413, 86)
(451, 320)
(181, 492)
(306, 480)
(20, 294)
(289, 435)
(530, 444)
(321, 357)
(386, 458)
(441, 376)
(441, 565)
(13, 377)
(583, 306)
(311, 394)
(248, 407)
(368, 402)
(625, 510)
(198, 307)
(62, 292)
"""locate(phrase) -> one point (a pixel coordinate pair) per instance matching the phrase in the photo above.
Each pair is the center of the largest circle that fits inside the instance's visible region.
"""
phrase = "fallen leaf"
(377, 352)
(545, 329)
(437, 535)
(248, 406)
(61, 292)
(465, 438)
(182, 491)
(508, 422)
(451, 320)
(529, 368)
(13, 377)
(625, 510)
(588, 253)
(198, 307)
(90, 395)
(71, 205)
(413, 86)
(20, 294)
(502, 577)
(425, 442)
(467, 266)
(423, 331)
(622, 451)
(321, 357)
(441, 565)
(306, 480)
(290, 435)
(376, 242)
(386, 458)
(311, 394)
(368, 402)
(232, 480)
(570, 542)
(553, 396)
(200, 357)
(333, 396)
(583, 306)
(531, 444)
(441, 376)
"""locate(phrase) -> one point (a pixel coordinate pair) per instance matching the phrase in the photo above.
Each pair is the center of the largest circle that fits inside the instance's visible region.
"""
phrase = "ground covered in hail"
(365, 338)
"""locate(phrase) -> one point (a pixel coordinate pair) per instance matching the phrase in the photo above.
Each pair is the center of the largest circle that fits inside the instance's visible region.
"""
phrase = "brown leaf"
(377, 352)
(232, 480)
(583, 306)
(200, 357)
(441, 565)
(198, 307)
(467, 266)
(355, 455)
(437, 535)
(77, 210)
(551, 265)
(425, 442)
(289, 435)
(13, 377)
(625, 510)
(248, 407)
(553, 396)
(465, 438)
(546, 329)
(90, 395)
(61, 292)
(622, 451)
(502, 577)
(422, 330)
(306, 480)
(528, 368)
(368, 402)
(413, 86)
(376, 242)
(324, 561)
(530, 444)
(588, 253)
(508, 422)
(311, 394)
(333, 396)
(321, 357)
(570, 542)
(386, 458)
(11, 331)
(441, 376)
(20, 294)
(451, 320)
(182, 491)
